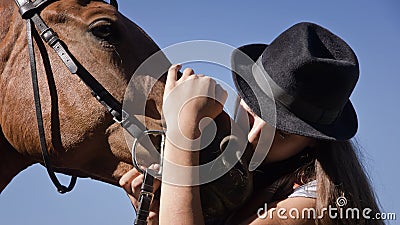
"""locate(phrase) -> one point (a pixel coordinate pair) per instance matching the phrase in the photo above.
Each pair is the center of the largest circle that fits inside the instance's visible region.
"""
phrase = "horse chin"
(111, 177)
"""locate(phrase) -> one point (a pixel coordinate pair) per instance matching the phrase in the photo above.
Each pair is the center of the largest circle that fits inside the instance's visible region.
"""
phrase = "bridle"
(30, 12)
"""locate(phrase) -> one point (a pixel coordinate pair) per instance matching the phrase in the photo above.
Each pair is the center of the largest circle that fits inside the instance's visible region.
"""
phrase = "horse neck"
(11, 162)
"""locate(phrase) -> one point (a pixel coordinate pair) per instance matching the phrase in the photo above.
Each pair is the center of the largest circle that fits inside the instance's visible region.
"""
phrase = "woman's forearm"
(185, 104)
(180, 204)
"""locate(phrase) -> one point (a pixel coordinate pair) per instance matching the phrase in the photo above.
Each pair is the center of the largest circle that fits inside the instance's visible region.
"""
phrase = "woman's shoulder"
(302, 197)
(308, 190)
(288, 211)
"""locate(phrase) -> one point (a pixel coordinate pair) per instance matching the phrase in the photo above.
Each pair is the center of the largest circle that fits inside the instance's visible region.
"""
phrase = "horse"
(81, 136)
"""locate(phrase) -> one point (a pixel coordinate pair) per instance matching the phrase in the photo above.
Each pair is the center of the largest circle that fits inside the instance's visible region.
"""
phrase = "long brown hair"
(343, 184)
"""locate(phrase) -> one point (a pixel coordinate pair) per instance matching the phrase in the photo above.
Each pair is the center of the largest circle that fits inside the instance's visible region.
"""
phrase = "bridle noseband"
(30, 11)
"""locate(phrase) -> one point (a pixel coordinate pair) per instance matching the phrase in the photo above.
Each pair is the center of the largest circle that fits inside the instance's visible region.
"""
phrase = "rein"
(30, 12)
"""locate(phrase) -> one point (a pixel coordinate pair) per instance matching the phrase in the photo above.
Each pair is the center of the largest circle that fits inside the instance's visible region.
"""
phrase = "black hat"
(307, 74)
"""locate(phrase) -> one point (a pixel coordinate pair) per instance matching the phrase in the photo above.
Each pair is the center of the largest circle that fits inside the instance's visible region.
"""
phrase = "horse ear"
(114, 3)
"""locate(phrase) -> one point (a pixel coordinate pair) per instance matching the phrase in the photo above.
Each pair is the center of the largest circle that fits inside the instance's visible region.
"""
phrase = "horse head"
(82, 138)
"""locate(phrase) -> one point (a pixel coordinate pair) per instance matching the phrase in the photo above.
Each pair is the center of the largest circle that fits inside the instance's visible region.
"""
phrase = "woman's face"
(261, 134)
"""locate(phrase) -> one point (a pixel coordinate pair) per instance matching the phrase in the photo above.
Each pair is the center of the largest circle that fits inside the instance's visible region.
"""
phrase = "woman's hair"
(342, 184)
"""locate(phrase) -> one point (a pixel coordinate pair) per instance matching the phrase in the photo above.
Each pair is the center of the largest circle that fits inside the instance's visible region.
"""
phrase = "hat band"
(296, 105)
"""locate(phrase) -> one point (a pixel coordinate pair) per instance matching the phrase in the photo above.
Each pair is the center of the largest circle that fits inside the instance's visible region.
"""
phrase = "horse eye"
(101, 29)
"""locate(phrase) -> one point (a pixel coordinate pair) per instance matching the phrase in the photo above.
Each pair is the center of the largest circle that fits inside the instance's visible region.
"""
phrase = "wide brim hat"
(310, 75)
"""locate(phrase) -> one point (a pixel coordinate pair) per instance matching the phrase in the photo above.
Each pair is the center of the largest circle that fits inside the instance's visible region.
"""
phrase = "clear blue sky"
(372, 28)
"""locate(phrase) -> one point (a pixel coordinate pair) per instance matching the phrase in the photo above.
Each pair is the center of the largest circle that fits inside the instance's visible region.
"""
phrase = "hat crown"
(311, 63)
(303, 85)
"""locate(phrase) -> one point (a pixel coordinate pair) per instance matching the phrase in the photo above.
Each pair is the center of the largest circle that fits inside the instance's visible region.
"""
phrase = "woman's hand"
(132, 182)
(189, 99)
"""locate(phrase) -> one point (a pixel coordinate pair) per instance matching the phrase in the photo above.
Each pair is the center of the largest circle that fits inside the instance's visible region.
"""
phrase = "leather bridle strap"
(30, 12)
(45, 154)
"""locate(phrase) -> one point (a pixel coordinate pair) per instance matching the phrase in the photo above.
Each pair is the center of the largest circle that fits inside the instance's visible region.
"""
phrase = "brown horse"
(82, 138)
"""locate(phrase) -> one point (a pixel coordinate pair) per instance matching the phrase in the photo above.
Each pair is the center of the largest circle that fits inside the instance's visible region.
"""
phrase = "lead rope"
(145, 198)
(146, 191)
(39, 117)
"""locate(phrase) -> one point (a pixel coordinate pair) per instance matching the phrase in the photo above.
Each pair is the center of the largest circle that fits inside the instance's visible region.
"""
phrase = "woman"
(304, 79)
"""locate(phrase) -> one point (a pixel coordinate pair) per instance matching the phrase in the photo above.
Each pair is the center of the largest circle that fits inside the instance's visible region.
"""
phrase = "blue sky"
(371, 28)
